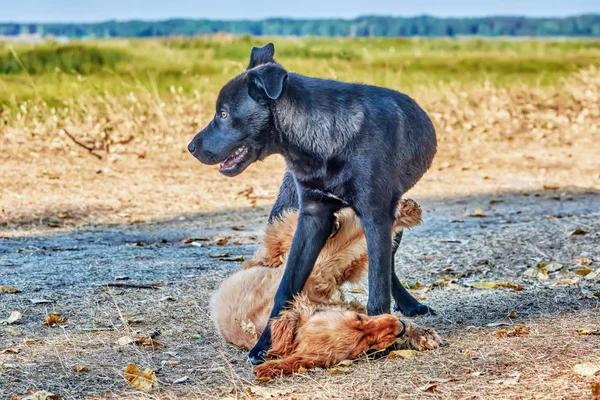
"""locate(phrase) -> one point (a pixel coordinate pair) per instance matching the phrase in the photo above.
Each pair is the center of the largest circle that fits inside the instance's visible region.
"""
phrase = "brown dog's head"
(331, 335)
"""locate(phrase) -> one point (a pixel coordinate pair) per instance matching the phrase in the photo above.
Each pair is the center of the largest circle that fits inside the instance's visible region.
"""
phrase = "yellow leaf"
(125, 340)
(54, 319)
(8, 289)
(553, 267)
(510, 285)
(345, 363)
(478, 212)
(338, 370)
(405, 354)
(501, 333)
(587, 369)
(32, 341)
(588, 332)
(11, 351)
(534, 273)
(144, 381)
(142, 340)
(13, 318)
(583, 271)
(81, 368)
(263, 379)
(13, 331)
(41, 395)
(578, 232)
(483, 285)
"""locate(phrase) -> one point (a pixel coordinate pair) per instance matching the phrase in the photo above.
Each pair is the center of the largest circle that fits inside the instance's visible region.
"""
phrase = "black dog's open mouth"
(234, 161)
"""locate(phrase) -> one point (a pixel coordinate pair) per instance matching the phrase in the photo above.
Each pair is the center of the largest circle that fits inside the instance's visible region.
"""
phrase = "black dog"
(345, 145)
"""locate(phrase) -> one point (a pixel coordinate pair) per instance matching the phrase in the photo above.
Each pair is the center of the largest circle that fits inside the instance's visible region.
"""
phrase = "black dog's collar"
(403, 331)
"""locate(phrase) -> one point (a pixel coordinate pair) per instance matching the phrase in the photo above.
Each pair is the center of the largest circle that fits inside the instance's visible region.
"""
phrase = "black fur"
(345, 145)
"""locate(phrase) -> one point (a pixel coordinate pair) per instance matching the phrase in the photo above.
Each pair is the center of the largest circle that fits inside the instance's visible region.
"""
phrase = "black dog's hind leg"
(287, 199)
(315, 223)
(403, 300)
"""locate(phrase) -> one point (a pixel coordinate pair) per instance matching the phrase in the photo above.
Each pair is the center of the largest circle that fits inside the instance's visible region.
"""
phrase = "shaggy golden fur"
(319, 329)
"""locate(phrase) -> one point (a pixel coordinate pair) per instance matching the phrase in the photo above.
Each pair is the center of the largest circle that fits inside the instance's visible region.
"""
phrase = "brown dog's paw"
(419, 338)
(268, 370)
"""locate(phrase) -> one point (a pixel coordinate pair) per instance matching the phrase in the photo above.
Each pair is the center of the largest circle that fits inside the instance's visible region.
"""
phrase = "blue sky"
(99, 10)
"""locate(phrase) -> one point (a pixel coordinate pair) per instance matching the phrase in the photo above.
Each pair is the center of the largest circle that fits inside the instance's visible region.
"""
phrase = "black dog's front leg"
(315, 222)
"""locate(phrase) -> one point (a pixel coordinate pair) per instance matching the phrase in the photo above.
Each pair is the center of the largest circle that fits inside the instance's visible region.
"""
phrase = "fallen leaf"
(8, 289)
(405, 354)
(54, 319)
(302, 370)
(478, 213)
(593, 275)
(218, 255)
(552, 267)
(578, 231)
(338, 370)
(483, 285)
(345, 363)
(13, 331)
(494, 202)
(519, 330)
(41, 395)
(222, 241)
(510, 285)
(238, 227)
(32, 341)
(357, 290)
(143, 381)
(81, 368)
(13, 318)
(263, 379)
(431, 387)
(583, 271)
(536, 273)
(512, 314)
(183, 379)
(549, 187)
(195, 239)
(248, 328)
(172, 362)
(501, 333)
(234, 258)
(41, 301)
(587, 369)
(588, 332)
(584, 262)
(11, 351)
(142, 341)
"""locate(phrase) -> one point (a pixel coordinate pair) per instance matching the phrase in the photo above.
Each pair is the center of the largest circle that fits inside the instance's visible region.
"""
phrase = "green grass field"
(58, 72)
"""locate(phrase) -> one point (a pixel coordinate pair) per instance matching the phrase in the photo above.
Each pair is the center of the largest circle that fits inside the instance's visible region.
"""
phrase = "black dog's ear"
(270, 78)
(261, 55)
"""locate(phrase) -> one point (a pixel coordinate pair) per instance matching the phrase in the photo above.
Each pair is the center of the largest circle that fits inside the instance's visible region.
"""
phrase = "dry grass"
(545, 135)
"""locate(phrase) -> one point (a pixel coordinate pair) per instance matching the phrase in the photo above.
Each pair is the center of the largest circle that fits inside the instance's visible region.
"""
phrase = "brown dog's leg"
(285, 366)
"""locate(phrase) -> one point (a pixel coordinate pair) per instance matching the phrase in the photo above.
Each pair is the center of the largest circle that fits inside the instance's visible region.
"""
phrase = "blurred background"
(99, 99)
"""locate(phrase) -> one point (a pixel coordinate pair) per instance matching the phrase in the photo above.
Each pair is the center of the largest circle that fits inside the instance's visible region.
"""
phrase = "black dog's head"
(241, 131)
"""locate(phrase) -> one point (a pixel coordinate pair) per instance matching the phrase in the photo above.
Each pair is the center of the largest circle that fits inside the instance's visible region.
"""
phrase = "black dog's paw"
(414, 309)
(257, 357)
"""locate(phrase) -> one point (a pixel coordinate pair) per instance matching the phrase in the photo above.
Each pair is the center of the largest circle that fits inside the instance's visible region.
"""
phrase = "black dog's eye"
(224, 115)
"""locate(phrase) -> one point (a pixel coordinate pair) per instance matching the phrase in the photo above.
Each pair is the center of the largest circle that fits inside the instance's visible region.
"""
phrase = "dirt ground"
(70, 222)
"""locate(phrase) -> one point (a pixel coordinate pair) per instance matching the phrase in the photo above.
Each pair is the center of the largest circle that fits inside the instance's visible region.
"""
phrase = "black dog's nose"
(192, 147)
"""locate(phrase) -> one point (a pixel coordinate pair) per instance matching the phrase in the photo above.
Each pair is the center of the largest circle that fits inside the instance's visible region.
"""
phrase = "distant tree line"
(583, 25)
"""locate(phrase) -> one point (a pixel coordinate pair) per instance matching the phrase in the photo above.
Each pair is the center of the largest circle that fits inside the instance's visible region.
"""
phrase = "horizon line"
(593, 14)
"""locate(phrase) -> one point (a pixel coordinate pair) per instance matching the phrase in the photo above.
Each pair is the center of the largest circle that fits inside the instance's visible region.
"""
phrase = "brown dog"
(319, 329)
